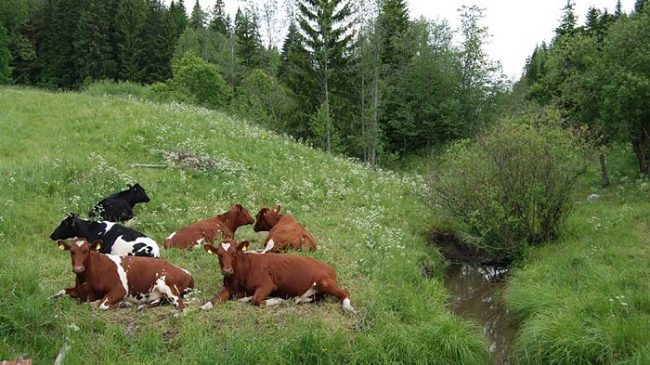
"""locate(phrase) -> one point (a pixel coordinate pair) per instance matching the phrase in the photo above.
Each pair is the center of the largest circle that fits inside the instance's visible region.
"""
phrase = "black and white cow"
(118, 207)
(117, 239)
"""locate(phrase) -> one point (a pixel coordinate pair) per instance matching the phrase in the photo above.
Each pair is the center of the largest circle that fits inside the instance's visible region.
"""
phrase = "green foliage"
(324, 134)
(261, 98)
(119, 88)
(220, 21)
(198, 18)
(129, 24)
(376, 243)
(179, 17)
(5, 57)
(93, 43)
(513, 186)
(58, 51)
(201, 80)
(158, 43)
(249, 42)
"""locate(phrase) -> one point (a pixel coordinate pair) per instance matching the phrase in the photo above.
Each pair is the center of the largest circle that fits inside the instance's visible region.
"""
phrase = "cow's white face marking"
(225, 245)
(120, 272)
(79, 243)
(347, 307)
(171, 236)
(269, 246)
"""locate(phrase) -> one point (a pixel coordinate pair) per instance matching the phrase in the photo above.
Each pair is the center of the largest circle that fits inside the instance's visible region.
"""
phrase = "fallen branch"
(149, 165)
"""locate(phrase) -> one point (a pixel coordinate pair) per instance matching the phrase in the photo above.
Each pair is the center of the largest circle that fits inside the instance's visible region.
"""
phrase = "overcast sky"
(516, 26)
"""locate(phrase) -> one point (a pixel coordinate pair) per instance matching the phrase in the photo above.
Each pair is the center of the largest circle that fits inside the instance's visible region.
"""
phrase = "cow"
(110, 279)
(118, 207)
(284, 231)
(116, 239)
(208, 230)
(250, 276)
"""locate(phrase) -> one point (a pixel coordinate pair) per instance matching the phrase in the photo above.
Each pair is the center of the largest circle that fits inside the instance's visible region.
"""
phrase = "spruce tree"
(593, 20)
(158, 39)
(639, 5)
(198, 17)
(5, 57)
(92, 42)
(619, 9)
(569, 19)
(325, 25)
(220, 21)
(58, 50)
(179, 17)
(393, 24)
(129, 25)
(249, 42)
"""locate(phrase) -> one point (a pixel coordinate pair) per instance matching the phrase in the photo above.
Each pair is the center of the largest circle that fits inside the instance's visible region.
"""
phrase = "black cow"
(117, 239)
(118, 207)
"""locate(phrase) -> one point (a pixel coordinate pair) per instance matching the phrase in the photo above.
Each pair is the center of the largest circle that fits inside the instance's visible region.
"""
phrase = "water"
(476, 293)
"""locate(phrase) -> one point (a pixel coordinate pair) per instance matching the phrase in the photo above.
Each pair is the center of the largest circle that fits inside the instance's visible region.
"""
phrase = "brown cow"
(284, 231)
(208, 230)
(110, 279)
(254, 277)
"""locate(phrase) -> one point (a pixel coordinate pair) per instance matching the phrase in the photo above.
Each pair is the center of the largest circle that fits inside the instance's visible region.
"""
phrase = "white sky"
(516, 26)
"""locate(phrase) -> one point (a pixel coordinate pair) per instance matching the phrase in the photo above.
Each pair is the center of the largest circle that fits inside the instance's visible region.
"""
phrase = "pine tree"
(639, 5)
(220, 21)
(5, 57)
(129, 25)
(92, 42)
(619, 9)
(158, 39)
(179, 17)
(249, 42)
(198, 17)
(593, 23)
(569, 19)
(325, 25)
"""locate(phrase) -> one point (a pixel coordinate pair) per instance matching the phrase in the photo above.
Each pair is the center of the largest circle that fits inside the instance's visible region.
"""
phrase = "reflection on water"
(476, 293)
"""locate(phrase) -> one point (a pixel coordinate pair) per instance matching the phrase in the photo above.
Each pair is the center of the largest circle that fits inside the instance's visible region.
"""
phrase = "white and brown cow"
(285, 231)
(256, 277)
(110, 279)
(208, 230)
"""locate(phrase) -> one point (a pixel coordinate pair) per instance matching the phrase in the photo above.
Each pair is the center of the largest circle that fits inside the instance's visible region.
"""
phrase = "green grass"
(62, 152)
(586, 298)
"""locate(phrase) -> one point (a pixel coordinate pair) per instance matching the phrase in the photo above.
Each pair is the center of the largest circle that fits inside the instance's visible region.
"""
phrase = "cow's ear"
(210, 249)
(276, 209)
(97, 245)
(129, 186)
(243, 246)
(63, 245)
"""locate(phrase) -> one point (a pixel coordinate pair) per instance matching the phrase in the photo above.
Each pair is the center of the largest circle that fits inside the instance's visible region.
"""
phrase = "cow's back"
(143, 272)
(195, 233)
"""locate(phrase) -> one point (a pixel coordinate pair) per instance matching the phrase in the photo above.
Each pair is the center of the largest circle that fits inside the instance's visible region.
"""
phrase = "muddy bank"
(460, 248)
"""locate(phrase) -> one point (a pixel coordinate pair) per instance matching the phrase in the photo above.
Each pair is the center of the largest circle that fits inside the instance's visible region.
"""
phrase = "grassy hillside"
(61, 153)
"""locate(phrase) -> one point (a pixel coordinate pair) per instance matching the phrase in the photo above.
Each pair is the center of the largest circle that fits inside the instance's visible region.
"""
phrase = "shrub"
(513, 185)
(201, 80)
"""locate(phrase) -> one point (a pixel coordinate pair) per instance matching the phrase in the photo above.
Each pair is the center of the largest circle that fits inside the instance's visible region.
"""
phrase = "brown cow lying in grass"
(219, 227)
(285, 231)
(255, 277)
(110, 279)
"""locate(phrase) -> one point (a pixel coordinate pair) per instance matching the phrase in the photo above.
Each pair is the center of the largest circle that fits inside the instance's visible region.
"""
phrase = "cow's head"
(79, 253)
(242, 216)
(138, 193)
(68, 228)
(227, 252)
(267, 218)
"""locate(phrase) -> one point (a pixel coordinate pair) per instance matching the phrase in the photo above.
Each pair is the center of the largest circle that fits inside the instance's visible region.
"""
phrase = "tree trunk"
(603, 170)
(641, 147)
(364, 142)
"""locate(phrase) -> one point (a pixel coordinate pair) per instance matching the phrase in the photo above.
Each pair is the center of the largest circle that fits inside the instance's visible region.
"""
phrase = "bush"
(201, 80)
(514, 185)
(120, 88)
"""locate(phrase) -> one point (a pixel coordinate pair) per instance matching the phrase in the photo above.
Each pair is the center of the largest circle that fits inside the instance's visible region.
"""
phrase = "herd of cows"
(115, 264)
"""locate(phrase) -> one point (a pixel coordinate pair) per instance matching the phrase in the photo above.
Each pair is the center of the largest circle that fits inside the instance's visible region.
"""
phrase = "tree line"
(597, 74)
(355, 77)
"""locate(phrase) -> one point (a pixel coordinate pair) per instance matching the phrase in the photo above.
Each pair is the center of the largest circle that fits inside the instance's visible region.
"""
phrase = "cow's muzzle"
(227, 272)
(78, 269)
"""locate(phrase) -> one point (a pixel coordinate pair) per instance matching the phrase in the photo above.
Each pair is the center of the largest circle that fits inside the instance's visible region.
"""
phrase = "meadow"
(62, 152)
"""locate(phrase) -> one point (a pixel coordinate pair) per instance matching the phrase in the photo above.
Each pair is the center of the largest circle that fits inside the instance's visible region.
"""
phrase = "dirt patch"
(460, 248)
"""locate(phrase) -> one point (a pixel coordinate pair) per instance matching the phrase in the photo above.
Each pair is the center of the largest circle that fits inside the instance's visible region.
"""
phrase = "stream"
(476, 293)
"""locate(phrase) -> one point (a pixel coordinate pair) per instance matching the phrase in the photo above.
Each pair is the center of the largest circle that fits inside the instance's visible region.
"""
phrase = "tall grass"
(62, 152)
(586, 299)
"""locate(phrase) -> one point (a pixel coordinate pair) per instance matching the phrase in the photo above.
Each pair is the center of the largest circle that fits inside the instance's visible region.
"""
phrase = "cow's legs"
(261, 293)
(110, 300)
(329, 287)
(308, 296)
(155, 303)
(223, 295)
